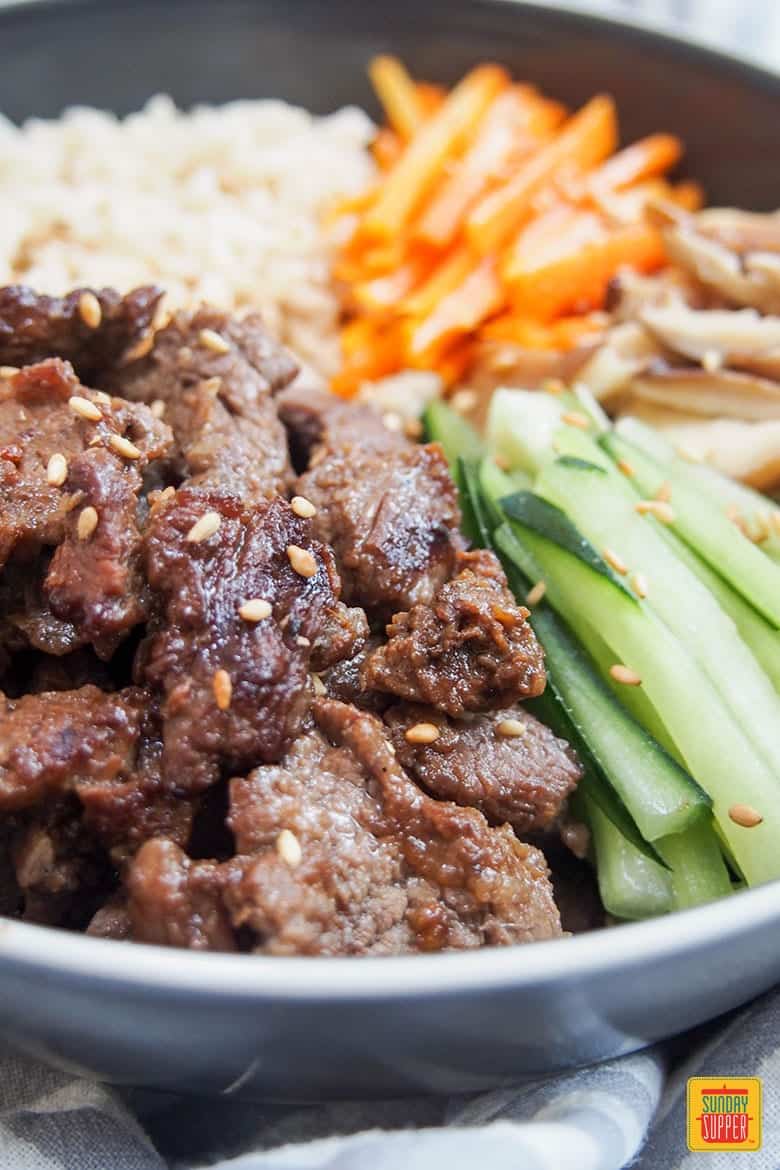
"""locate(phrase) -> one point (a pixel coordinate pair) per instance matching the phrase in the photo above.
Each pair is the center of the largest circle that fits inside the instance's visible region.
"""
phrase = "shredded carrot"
(430, 97)
(459, 313)
(651, 156)
(398, 94)
(586, 139)
(450, 273)
(438, 139)
(387, 148)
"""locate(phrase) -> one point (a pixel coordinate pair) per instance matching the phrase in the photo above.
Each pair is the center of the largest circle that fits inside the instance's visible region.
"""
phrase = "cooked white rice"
(222, 204)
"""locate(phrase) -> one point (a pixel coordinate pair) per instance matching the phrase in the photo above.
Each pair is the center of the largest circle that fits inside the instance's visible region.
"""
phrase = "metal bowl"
(303, 1028)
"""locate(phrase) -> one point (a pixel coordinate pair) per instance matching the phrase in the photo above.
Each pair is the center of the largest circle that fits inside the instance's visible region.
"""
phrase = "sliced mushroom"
(741, 231)
(626, 351)
(756, 285)
(709, 393)
(739, 338)
(631, 292)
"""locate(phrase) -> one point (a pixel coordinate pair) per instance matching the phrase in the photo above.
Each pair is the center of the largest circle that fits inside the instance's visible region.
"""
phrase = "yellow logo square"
(724, 1113)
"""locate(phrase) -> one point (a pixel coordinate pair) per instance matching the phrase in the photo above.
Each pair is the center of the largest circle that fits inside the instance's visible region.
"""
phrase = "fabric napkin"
(627, 1111)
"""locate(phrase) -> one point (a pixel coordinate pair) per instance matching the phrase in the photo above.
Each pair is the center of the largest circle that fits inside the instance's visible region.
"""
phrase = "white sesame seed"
(319, 685)
(615, 561)
(57, 470)
(302, 640)
(639, 584)
(464, 401)
(745, 815)
(84, 408)
(86, 523)
(422, 733)
(302, 561)
(303, 507)
(89, 310)
(664, 493)
(255, 610)
(625, 675)
(712, 360)
(502, 461)
(101, 397)
(124, 447)
(223, 689)
(692, 454)
(214, 341)
(658, 508)
(574, 418)
(554, 386)
(204, 528)
(140, 349)
(510, 728)
(289, 849)
(535, 595)
(392, 421)
(158, 408)
(8, 371)
(413, 428)
(626, 467)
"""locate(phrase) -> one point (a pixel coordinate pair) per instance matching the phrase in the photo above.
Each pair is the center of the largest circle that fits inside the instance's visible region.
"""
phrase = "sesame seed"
(289, 848)
(302, 640)
(205, 527)
(158, 408)
(8, 371)
(501, 461)
(507, 617)
(625, 675)
(576, 837)
(167, 493)
(57, 470)
(510, 728)
(712, 360)
(775, 520)
(573, 418)
(664, 493)
(223, 689)
(463, 401)
(554, 386)
(318, 684)
(302, 561)
(84, 408)
(535, 595)
(140, 349)
(124, 447)
(303, 507)
(612, 558)
(101, 397)
(745, 815)
(392, 421)
(255, 610)
(658, 508)
(86, 523)
(626, 467)
(214, 341)
(413, 428)
(758, 530)
(89, 310)
(639, 584)
(692, 454)
(212, 386)
(422, 733)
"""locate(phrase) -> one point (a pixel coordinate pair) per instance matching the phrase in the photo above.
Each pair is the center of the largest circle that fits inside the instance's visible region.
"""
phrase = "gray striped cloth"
(628, 1111)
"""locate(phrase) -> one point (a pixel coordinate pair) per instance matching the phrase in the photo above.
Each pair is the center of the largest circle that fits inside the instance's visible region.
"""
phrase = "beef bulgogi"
(260, 696)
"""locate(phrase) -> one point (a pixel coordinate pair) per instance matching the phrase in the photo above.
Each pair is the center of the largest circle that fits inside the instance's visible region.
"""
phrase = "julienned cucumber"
(699, 873)
(631, 884)
(707, 529)
(608, 518)
(660, 796)
(708, 737)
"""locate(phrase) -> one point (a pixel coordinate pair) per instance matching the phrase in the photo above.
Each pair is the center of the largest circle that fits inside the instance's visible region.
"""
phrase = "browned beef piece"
(471, 649)
(176, 902)
(343, 681)
(374, 866)
(112, 920)
(523, 778)
(34, 327)
(315, 419)
(203, 638)
(219, 405)
(52, 742)
(68, 673)
(92, 590)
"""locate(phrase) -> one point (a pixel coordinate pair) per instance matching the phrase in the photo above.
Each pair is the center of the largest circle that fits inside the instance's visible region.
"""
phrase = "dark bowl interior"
(116, 53)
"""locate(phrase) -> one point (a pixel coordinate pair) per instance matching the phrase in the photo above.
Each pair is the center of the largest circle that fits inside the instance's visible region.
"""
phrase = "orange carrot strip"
(495, 144)
(430, 97)
(384, 292)
(688, 195)
(559, 232)
(386, 148)
(450, 273)
(437, 140)
(453, 364)
(398, 95)
(586, 140)
(651, 156)
(371, 352)
(459, 313)
(578, 282)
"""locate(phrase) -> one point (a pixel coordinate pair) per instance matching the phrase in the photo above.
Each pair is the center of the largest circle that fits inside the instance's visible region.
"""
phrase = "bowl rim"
(33, 949)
